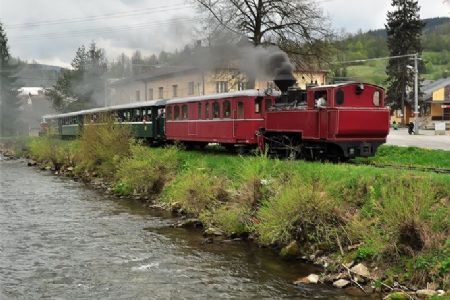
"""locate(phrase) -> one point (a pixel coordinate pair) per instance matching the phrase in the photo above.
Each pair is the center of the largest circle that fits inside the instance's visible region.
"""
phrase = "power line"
(372, 59)
(101, 30)
(99, 17)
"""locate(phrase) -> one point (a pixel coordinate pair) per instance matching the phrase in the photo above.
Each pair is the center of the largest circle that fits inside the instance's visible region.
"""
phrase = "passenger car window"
(184, 110)
(240, 111)
(169, 112)
(206, 110)
(258, 102)
(226, 109)
(199, 111)
(216, 110)
(176, 112)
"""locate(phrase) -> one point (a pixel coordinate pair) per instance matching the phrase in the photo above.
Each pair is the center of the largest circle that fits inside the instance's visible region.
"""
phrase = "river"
(59, 239)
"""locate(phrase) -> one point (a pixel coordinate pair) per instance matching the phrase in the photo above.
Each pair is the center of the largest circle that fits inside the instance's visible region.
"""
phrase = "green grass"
(375, 71)
(410, 156)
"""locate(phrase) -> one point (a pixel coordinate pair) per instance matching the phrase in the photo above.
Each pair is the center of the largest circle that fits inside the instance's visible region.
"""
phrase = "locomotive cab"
(339, 121)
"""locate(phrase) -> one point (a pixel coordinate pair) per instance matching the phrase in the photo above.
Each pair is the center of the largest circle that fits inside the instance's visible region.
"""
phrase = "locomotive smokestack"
(284, 79)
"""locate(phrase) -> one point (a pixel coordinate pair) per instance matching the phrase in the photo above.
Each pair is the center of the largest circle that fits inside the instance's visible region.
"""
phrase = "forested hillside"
(372, 44)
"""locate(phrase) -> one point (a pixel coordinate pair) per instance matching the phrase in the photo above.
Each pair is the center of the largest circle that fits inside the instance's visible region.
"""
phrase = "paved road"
(425, 139)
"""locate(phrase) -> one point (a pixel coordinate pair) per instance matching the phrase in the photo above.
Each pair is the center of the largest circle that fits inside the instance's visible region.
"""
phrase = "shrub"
(146, 171)
(196, 190)
(102, 146)
(300, 211)
(231, 219)
(54, 152)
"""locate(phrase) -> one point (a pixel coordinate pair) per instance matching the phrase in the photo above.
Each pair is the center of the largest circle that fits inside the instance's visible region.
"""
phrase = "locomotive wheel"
(283, 146)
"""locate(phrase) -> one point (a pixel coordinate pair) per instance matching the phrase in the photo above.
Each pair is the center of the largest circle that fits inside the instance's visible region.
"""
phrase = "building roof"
(156, 73)
(433, 86)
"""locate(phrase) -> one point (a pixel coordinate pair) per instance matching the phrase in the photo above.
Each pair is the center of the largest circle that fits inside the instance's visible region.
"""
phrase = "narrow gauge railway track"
(402, 167)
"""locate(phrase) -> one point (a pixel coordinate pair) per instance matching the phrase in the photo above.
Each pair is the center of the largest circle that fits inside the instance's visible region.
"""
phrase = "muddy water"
(62, 240)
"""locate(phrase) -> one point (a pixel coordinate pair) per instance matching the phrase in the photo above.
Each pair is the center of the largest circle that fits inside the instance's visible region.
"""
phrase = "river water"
(62, 240)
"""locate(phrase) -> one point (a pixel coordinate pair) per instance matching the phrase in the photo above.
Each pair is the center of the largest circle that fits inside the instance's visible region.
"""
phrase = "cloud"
(147, 25)
(53, 30)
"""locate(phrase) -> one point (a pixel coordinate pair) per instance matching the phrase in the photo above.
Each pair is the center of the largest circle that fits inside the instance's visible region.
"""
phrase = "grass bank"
(410, 156)
(395, 222)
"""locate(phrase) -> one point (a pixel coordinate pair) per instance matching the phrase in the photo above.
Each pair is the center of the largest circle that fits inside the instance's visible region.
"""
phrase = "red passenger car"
(231, 119)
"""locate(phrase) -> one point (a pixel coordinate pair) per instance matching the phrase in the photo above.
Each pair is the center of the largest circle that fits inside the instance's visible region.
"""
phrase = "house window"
(150, 94)
(240, 112)
(169, 113)
(175, 90)
(160, 92)
(138, 95)
(221, 86)
(191, 88)
(216, 110)
(227, 109)
(242, 86)
(199, 111)
(177, 112)
(184, 112)
(258, 102)
(206, 110)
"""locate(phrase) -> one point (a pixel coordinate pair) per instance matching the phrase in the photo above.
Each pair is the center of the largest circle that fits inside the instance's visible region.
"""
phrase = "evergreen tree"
(404, 31)
(84, 86)
(9, 103)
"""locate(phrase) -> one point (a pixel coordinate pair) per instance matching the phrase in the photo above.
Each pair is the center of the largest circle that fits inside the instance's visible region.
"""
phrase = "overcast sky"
(50, 31)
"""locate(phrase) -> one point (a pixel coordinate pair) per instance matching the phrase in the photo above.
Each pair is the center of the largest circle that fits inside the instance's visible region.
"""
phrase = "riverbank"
(376, 229)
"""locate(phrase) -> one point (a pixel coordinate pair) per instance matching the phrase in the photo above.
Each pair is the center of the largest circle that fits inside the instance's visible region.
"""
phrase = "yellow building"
(437, 97)
(183, 81)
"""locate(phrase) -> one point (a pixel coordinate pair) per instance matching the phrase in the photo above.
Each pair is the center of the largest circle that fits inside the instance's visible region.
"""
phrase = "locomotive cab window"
(320, 99)
(339, 97)
(376, 98)
(226, 109)
(258, 102)
(268, 103)
(199, 112)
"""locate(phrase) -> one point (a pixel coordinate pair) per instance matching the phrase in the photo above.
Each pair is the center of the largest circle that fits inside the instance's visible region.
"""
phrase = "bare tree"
(300, 22)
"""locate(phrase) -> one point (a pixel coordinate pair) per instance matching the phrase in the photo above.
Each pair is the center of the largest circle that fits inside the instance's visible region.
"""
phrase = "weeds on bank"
(54, 153)
(196, 190)
(102, 146)
(146, 171)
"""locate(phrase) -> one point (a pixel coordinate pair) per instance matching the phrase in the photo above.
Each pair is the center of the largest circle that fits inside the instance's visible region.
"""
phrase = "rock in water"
(360, 270)
(425, 294)
(311, 278)
(341, 283)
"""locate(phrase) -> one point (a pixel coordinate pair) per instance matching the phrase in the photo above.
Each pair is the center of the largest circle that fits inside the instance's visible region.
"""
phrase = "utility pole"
(416, 94)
